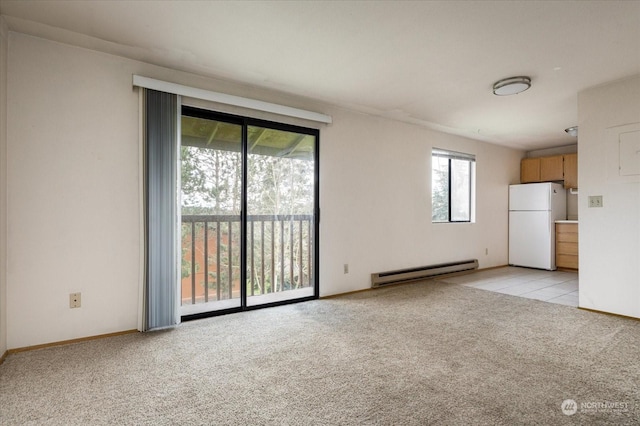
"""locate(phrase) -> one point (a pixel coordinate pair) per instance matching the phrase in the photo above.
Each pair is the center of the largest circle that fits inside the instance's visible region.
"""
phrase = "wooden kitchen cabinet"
(571, 171)
(552, 168)
(567, 245)
(530, 170)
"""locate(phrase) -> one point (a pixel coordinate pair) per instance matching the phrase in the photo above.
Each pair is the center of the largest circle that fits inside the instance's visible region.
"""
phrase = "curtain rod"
(223, 98)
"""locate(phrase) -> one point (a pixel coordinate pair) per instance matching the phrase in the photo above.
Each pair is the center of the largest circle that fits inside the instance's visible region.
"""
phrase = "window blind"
(161, 270)
(436, 152)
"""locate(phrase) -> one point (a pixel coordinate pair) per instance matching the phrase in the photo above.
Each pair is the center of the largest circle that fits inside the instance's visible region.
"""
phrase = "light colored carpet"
(422, 353)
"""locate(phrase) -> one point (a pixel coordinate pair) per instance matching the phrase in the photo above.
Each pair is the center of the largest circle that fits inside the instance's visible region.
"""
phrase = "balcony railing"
(279, 255)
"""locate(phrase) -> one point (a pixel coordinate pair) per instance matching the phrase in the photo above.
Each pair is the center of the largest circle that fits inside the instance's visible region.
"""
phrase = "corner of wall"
(609, 243)
(4, 35)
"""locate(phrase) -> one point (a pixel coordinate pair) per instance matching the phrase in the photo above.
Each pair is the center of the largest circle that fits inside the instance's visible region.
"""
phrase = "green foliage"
(439, 191)
(277, 185)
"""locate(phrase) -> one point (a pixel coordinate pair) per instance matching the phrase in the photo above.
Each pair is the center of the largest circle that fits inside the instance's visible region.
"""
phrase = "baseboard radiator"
(411, 274)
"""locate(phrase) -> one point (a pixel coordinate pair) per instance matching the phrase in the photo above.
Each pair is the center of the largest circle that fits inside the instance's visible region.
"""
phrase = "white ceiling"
(431, 63)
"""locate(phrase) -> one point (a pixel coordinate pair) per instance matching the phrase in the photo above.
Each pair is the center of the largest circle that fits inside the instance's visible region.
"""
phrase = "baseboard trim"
(434, 278)
(608, 313)
(491, 267)
(4, 356)
(346, 293)
(68, 342)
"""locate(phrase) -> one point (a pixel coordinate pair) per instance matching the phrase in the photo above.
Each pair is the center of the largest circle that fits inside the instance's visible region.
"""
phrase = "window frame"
(450, 156)
(245, 122)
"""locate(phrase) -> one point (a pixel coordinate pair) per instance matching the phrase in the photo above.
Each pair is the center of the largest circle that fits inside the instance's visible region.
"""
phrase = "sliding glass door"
(280, 215)
(248, 204)
(211, 200)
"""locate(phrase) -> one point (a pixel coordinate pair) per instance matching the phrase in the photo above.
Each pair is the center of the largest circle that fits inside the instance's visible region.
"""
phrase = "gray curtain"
(161, 277)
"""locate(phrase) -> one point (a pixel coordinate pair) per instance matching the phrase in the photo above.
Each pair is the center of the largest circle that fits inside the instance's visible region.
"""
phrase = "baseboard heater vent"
(402, 275)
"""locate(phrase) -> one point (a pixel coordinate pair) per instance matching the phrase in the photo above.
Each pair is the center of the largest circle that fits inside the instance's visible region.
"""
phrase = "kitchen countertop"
(566, 221)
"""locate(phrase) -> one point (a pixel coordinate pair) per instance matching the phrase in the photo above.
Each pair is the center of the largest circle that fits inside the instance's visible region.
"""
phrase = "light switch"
(595, 200)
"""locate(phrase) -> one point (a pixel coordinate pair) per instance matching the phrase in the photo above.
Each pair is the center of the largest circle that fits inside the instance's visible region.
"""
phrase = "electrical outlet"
(75, 300)
(346, 268)
(486, 252)
(595, 200)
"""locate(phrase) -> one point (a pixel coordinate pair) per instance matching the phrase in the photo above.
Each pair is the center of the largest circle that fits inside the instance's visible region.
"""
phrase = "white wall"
(74, 201)
(376, 201)
(546, 152)
(609, 236)
(3, 185)
(73, 193)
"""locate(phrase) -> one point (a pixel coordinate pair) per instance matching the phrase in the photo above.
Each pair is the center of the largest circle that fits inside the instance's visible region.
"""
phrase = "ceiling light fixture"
(572, 131)
(511, 86)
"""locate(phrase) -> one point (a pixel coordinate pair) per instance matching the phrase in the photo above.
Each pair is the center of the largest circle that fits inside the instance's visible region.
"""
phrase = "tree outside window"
(452, 186)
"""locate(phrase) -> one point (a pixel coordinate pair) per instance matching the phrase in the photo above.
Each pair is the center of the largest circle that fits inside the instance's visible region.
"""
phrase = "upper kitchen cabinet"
(571, 171)
(551, 168)
(530, 170)
(541, 169)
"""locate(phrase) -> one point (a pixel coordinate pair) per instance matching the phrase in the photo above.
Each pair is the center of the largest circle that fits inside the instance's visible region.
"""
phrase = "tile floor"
(549, 286)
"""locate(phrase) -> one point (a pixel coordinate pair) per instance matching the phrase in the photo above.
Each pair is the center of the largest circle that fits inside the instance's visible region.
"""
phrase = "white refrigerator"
(533, 210)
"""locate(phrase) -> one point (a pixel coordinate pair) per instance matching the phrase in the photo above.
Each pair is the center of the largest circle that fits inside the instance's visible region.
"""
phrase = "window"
(452, 186)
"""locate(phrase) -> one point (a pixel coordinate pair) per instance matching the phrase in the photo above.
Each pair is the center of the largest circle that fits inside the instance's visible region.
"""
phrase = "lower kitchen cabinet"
(567, 245)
